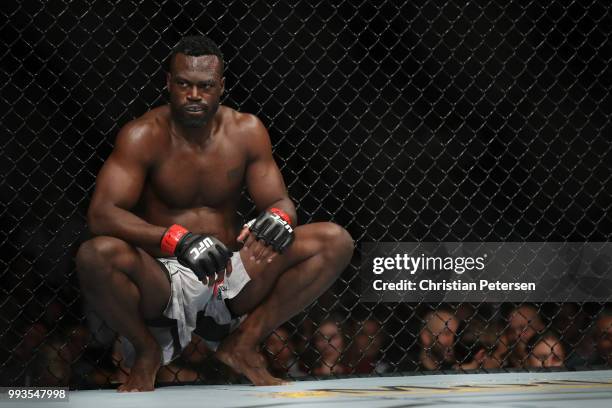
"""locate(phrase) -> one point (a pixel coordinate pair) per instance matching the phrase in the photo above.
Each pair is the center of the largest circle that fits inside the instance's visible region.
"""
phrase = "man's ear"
(168, 77)
(222, 85)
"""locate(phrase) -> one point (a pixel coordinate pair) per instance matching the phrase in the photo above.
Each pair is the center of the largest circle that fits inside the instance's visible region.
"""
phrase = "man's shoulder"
(245, 129)
(241, 122)
(150, 128)
(145, 134)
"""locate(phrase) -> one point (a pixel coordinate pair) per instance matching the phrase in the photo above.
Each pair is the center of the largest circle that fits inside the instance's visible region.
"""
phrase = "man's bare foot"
(245, 359)
(143, 372)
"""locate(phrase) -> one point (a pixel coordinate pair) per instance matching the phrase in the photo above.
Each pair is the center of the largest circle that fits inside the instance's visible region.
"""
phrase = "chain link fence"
(401, 121)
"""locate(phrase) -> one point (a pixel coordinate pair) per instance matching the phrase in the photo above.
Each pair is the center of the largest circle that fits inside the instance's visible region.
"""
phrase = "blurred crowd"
(447, 337)
(524, 338)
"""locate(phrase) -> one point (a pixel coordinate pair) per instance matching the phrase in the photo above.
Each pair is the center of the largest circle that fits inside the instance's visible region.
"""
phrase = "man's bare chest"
(188, 180)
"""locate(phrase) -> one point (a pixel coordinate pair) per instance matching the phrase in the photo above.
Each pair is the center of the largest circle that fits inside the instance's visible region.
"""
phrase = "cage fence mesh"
(401, 121)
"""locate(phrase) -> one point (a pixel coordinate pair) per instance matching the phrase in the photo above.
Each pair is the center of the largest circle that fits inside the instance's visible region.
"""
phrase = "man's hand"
(205, 255)
(267, 235)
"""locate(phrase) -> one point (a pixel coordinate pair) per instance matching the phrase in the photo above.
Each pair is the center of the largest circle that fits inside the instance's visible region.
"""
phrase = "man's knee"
(336, 244)
(97, 256)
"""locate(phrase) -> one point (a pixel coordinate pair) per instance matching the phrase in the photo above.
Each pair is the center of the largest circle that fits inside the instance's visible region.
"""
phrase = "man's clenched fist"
(267, 235)
(205, 255)
(274, 229)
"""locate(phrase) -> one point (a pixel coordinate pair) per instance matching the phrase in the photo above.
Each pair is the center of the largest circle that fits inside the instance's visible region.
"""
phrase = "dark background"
(423, 121)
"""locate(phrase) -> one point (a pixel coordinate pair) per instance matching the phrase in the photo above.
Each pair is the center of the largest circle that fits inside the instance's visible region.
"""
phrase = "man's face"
(438, 336)
(548, 352)
(329, 341)
(524, 323)
(604, 338)
(195, 85)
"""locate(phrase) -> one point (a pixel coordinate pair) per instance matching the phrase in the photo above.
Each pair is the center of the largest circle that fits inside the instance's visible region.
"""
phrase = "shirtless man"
(163, 214)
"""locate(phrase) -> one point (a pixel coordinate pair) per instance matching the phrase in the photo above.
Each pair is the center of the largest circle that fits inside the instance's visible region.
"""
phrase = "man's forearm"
(119, 223)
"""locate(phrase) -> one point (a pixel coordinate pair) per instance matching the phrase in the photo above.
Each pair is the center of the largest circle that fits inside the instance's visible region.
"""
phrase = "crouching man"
(169, 256)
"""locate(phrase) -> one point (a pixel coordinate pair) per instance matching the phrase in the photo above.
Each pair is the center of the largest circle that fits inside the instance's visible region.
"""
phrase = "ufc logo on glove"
(282, 221)
(199, 250)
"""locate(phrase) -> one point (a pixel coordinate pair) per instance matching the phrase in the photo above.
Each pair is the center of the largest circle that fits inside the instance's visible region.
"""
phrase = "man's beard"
(193, 121)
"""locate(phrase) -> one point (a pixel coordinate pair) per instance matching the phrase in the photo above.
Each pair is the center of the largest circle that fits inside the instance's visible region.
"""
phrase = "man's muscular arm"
(119, 185)
(263, 178)
(267, 189)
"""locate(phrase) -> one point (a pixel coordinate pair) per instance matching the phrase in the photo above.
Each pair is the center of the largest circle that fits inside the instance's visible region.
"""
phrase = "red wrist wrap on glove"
(281, 214)
(171, 238)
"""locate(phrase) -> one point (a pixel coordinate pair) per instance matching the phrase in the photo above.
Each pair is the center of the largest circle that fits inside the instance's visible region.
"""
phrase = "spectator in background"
(24, 344)
(595, 347)
(33, 337)
(603, 337)
(83, 371)
(481, 345)
(329, 344)
(281, 354)
(524, 322)
(463, 311)
(570, 322)
(437, 339)
(306, 331)
(77, 338)
(54, 311)
(52, 365)
(364, 353)
(545, 351)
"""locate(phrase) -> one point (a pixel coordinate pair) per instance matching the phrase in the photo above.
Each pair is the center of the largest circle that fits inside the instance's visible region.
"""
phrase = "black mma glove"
(273, 226)
(205, 255)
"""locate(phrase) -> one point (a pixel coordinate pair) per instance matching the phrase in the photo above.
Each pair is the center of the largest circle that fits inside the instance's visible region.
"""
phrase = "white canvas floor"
(590, 389)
